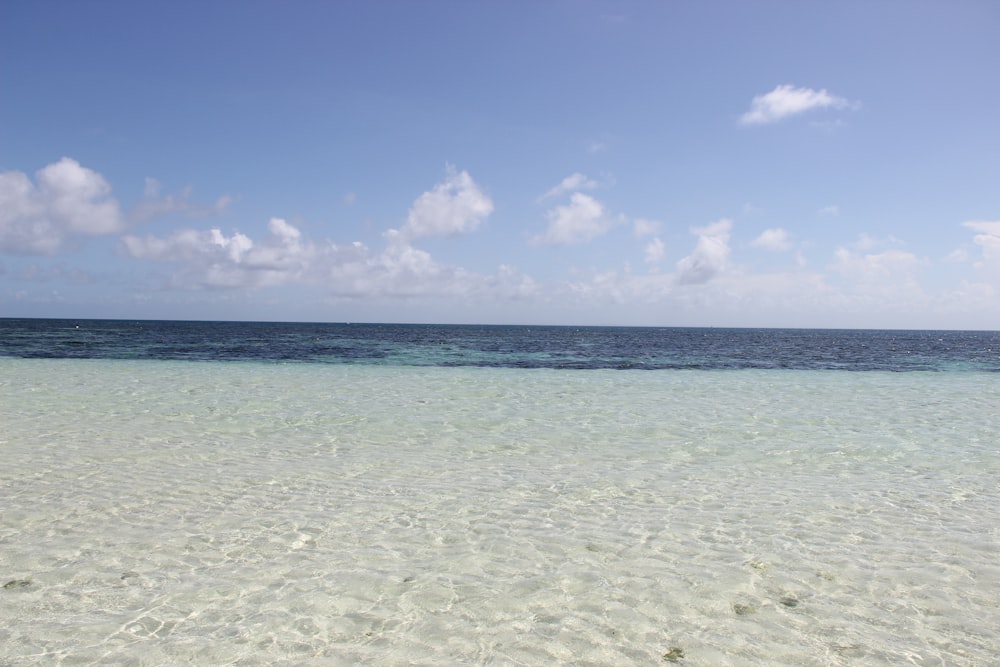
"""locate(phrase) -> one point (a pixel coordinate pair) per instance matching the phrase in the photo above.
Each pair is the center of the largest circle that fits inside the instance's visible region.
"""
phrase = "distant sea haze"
(504, 346)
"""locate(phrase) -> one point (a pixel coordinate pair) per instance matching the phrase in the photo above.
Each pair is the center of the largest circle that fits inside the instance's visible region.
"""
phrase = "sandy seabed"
(248, 514)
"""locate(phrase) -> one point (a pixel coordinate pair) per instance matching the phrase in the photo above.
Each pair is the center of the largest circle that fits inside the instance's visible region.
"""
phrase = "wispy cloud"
(644, 227)
(572, 183)
(153, 205)
(655, 251)
(597, 146)
(773, 239)
(786, 100)
(866, 242)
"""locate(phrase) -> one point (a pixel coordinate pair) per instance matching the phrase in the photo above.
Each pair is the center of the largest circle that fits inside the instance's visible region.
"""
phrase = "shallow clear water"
(169, 512)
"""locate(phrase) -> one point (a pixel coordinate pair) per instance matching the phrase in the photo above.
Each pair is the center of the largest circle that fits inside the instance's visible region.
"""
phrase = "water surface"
(395, 512)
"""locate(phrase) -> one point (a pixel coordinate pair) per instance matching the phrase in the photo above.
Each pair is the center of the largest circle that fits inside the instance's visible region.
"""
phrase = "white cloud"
(786, 100)
(402, 271)
(68, 201)
(642, 227)
(710, 254)
(731, 298)
(830, 210)
(79, 198)
(455, 206)
(212, 259)
(988, 239)
(959, 256)
(772, 239)
(655, 251)
(572, 183)
(154, 206)
(884, 268)
(583, 219)
(991, 227)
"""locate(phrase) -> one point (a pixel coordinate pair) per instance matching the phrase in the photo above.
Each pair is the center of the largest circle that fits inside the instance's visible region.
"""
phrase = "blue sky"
(753, 163)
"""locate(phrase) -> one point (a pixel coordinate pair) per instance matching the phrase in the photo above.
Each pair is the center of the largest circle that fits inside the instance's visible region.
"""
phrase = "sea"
(235, 493)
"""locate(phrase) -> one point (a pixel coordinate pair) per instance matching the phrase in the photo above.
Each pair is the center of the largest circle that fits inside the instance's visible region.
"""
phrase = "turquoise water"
(507, 346)
(169, 512)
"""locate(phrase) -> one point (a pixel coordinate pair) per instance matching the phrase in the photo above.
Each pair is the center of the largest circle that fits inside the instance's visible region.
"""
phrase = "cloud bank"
(217, 261)
(66, 202)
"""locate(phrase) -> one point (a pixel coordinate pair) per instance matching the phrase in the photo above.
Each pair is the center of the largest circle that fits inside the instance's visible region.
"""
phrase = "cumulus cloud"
(400, 270)
(787, 100)
(710, 254)
(987, 238)
(212, 259)
(773, 239)
(453, 207)
(66, 201)
(582, 219)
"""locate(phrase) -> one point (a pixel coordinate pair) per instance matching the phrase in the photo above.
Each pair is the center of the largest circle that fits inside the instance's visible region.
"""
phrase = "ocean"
(342, 494)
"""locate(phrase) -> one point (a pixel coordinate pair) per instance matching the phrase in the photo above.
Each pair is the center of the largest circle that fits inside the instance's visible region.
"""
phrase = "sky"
(747, 163)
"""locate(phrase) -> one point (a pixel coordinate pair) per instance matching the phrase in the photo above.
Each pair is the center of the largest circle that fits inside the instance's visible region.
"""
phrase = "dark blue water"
(504, 346)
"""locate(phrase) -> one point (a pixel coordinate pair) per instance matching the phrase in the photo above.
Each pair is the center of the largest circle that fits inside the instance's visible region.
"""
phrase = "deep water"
(504, 346)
